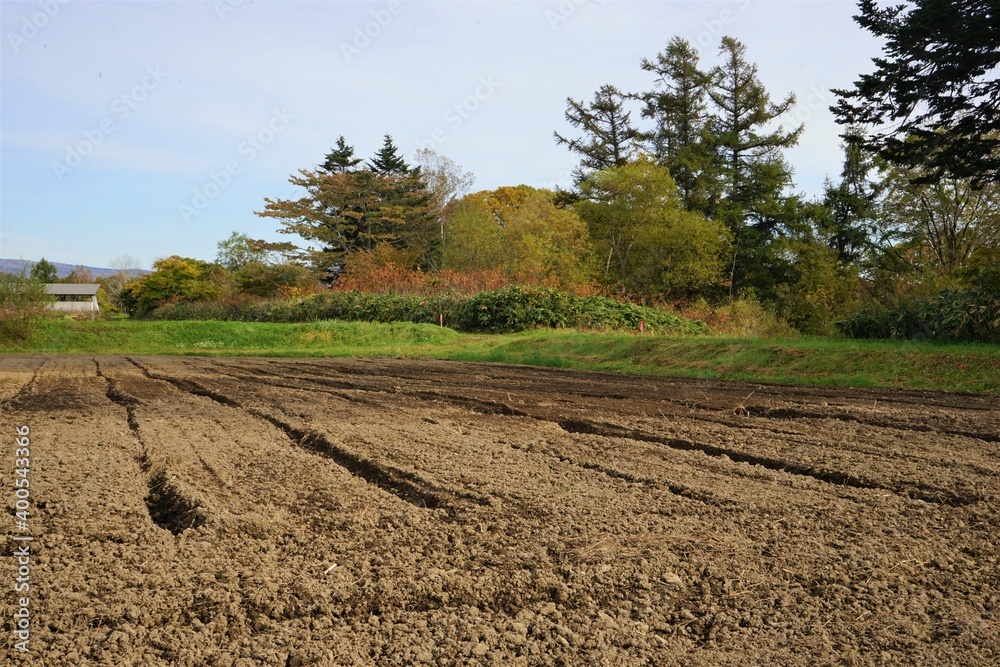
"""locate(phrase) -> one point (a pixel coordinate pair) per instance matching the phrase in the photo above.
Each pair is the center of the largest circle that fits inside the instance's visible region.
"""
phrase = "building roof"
(71, 289)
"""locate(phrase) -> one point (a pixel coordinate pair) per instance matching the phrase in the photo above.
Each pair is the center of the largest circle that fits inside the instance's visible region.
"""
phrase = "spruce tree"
(678, 108)
(933, 101)
(341, 159)
(609, 138)
(44, 271)
(752, 168)
(388, 160)
(853, 203)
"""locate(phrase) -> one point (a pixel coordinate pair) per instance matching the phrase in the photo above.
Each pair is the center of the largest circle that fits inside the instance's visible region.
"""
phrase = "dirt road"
(195, 511)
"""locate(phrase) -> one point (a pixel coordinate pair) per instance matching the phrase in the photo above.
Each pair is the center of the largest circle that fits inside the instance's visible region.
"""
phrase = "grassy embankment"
(807, 361)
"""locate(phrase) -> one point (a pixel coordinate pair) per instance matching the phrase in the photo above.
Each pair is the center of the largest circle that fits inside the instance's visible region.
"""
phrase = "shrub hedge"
(949, 315)
(504, 310)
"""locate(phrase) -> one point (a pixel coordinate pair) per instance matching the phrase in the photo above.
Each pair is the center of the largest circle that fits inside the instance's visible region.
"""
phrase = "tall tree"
(678, 108)
(754, 172)
(852, 205)
(609, 138)
(341, 159)
(44, 271)
(388, 160)
(446, 183)
(933, 100)
(348, 212)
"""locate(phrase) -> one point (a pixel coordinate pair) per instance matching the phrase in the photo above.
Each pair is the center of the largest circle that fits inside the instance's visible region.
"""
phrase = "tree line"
(682, 194)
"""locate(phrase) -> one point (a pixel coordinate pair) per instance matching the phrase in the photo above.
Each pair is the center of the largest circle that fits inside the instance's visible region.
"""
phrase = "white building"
(74, 298)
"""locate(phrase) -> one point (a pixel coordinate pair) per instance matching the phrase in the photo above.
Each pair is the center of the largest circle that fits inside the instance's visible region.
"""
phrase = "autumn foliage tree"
(646, 242)
(520, 231)
(347, 208)
(173, 278)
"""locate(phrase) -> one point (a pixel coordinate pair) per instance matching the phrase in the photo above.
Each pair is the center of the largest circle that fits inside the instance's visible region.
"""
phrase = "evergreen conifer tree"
(609, 138)
(388, 160)
(341, 159)
(933, 101)
(679, 139)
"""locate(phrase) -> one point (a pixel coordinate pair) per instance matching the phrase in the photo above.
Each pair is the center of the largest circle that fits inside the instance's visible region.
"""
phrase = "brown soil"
(387, 512)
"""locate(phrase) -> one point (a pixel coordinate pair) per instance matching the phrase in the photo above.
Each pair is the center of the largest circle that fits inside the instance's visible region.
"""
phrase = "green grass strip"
(801, 361)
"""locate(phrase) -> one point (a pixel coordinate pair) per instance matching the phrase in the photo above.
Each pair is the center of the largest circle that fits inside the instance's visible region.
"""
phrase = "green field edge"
(795, 361)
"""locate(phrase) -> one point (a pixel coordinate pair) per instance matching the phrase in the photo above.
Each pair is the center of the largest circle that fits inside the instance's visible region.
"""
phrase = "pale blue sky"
(157, 128)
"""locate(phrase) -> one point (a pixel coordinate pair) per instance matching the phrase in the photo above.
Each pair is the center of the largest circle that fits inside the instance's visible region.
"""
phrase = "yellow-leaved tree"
(647, 244)
(521, 231)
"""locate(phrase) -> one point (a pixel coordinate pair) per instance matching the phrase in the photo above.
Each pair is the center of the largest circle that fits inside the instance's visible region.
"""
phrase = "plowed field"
(195, 511)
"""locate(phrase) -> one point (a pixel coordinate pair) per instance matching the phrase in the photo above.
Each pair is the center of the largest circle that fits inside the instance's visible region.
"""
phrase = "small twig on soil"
(742, 407)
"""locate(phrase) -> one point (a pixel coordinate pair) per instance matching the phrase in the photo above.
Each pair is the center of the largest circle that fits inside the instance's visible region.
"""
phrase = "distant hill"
(62, 270)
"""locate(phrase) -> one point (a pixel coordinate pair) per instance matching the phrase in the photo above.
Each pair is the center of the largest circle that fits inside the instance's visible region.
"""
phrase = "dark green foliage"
(949, 315)
(680, 139)
(500, 311)
(608, 135)
(388, 160)
(753, 170)
(341, 159)
(853, 204)
(44, 271)
(934, 100)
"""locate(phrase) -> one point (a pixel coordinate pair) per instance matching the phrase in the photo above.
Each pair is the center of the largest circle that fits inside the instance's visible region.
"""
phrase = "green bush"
(504, 310)
(947, 316)
(23, 303)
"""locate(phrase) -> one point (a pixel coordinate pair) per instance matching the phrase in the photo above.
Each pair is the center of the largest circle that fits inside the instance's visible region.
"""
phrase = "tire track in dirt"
(25, 389)
(614, 473)
(926, 493)
(765, 412)
(404, 485)
(286, 385)
(920, 492)
(587, 427)
(493, 408)
(783, 393)
(755, 412)
(169, 507)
